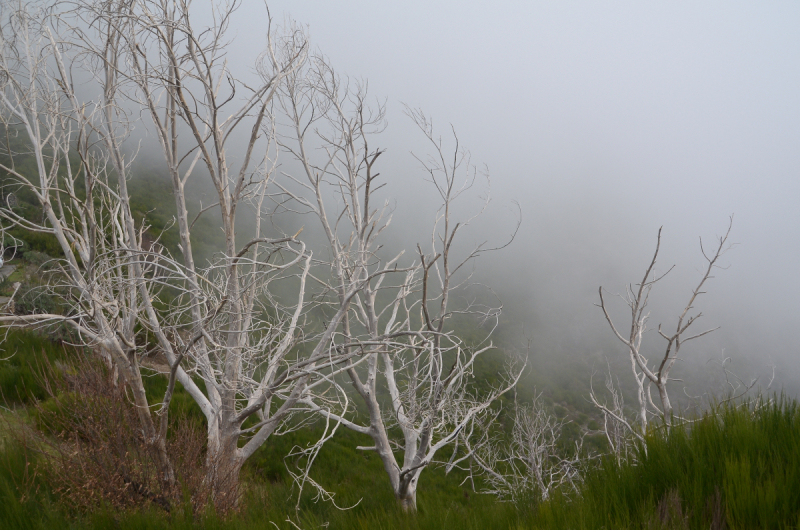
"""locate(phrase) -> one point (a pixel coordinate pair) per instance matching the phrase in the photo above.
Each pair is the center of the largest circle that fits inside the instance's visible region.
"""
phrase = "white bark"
(226, 325)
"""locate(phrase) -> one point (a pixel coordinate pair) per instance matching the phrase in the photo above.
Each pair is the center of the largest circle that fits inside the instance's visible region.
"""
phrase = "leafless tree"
(657, 374)
(248, 361)
(619, 433)
(528, 465)
(397, 324)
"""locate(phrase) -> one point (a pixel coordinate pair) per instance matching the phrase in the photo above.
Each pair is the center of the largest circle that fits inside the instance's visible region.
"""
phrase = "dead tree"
(657, 373)
(79, 179)
(231, 325)
(397, 330)
(620, 435)
(528, 465)
(227, 329)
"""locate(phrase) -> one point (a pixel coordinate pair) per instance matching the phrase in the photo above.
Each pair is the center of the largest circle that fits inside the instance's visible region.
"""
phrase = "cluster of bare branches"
(620, 435)
(396, 334)
(526, 466)
(77, 78)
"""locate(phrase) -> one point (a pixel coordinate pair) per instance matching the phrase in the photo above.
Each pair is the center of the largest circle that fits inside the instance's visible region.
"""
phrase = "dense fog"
(599, 123)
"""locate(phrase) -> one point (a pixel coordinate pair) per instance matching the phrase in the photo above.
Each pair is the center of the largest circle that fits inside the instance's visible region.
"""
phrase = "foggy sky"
(604, 120)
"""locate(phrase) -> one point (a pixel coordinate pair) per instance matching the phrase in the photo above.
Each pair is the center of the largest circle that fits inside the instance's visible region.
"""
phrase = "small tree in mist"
(526, 466)
(646, 373)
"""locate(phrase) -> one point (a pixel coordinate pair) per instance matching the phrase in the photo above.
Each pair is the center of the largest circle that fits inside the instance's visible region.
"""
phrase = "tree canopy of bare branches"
(77, 79)
(527, 466)
(395, 314)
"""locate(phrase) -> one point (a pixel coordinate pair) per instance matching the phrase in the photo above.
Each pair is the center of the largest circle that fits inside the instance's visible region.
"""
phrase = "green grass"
(749, 456)
(24, 352)
(358, 477)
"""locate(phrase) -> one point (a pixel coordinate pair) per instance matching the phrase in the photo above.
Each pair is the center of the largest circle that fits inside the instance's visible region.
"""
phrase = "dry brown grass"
(87, 435)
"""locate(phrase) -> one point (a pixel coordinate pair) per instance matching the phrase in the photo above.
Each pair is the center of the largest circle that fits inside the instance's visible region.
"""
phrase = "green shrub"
(37, 241)
(34, 300)
(34, 257)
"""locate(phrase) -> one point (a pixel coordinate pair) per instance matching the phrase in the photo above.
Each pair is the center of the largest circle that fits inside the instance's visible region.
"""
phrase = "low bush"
(34, 257)
(94, 451)
(34, 300)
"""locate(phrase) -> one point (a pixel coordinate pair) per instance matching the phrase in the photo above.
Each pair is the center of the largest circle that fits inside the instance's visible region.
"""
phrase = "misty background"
(603, 122)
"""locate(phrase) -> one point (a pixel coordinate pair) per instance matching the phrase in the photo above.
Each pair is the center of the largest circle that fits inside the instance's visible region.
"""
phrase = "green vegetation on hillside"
(23, 353)
(736, 468)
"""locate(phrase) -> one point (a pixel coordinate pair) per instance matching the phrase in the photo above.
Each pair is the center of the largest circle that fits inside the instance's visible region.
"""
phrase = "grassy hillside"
(737, 468)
